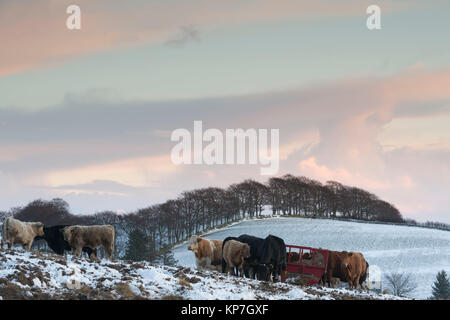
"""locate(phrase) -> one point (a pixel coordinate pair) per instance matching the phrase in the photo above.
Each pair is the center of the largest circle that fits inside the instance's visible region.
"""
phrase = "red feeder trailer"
(305, 264)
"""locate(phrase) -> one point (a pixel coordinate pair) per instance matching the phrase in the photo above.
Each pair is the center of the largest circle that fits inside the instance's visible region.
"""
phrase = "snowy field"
(419, 251)
(38, 275)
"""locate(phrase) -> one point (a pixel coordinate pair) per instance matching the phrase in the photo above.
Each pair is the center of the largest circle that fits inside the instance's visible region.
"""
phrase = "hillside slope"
(40, 275)
(420, 252)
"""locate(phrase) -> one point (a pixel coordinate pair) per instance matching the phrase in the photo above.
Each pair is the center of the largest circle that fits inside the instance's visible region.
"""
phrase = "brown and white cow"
(18, 232)
(354, 268)
(208, 253)
(234, 253)
(90, 236)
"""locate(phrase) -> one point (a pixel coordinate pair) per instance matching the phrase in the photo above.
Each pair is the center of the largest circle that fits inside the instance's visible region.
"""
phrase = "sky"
(87, 115)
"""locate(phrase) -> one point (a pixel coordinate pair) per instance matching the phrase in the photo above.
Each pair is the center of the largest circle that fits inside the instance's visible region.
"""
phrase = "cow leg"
(76, 253)
(329, 279)
(278, 273)
(224, 265)
(356, 282)
(109, 252)
(275, 273)
(240, 269)
(208, 263)
(27, 246)
(246, 271)
(350, 283)
(94, 253)
(11, 243)
(230, 269)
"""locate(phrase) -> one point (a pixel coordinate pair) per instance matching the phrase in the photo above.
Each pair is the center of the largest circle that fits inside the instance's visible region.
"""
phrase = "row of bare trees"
(290, 195)
(194, 211)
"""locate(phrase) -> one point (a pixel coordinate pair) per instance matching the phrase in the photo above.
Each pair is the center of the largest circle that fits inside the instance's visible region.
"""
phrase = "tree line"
(160, 226)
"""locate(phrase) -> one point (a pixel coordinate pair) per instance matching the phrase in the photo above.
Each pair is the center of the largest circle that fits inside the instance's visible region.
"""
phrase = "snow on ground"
(40, 275)
(419, 251)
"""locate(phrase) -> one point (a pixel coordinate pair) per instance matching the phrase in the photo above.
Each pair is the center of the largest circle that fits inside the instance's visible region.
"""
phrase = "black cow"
(250, 263)
(273, 258)
(55, 240)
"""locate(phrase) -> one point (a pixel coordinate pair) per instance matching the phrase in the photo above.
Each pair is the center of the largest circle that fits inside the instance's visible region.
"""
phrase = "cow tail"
(224, 264)
(113, 241)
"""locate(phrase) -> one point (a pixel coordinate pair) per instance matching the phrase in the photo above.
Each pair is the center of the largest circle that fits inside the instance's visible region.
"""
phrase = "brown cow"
(234, 253)
(334, 267)
(90, 236)
(208, 253)
(354, 267)
(18, 232)
(346, 266)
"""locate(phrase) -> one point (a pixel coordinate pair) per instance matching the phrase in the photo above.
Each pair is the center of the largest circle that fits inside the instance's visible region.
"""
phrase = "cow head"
(193, 243)
(245, 250)
(38, 228)
(67, 233)
(346, 265)
(263, 272)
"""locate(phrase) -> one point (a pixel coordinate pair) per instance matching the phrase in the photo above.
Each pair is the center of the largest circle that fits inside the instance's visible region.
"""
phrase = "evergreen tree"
(137, 246)
(441, 287)
(166, 257)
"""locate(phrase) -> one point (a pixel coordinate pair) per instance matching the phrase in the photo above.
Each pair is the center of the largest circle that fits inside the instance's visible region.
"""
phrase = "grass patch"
(124, 291)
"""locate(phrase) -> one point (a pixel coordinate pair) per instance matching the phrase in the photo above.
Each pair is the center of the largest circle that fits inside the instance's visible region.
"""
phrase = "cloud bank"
(118, 154)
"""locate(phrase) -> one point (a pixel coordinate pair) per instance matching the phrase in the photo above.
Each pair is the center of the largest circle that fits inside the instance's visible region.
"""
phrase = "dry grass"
(184, 282)
(124, 291)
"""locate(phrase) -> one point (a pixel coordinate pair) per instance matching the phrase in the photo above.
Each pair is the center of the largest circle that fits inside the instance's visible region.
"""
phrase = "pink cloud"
(311, 168)
(416, 86)
(135, 172)
(34, 33)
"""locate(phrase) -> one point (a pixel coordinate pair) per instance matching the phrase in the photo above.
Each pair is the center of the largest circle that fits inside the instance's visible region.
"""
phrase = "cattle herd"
(60, 238)
(246, 255)
(266, 259)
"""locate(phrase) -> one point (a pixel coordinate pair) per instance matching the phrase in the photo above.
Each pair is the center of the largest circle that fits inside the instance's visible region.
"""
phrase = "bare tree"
(400, 284)
(201, 209)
